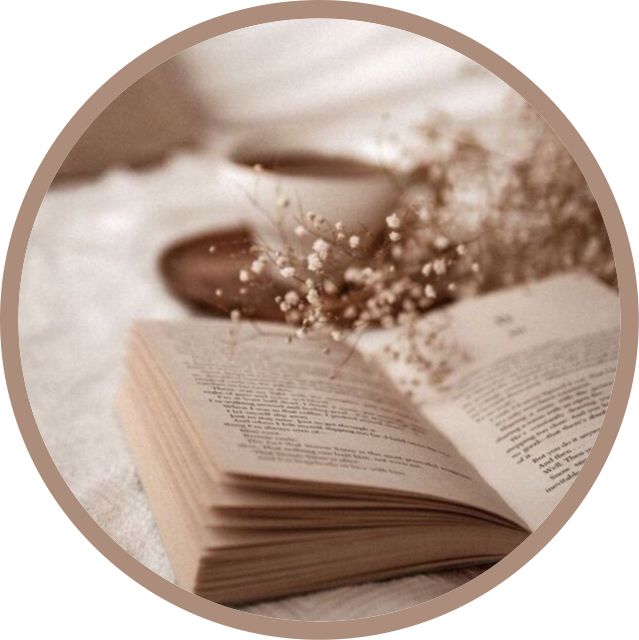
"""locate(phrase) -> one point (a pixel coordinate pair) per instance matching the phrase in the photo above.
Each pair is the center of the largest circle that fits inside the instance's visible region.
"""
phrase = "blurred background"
(323, 83)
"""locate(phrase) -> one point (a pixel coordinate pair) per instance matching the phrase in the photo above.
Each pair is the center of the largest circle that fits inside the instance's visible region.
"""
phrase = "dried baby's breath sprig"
(468, 220)
(532, 216)
(335, 288)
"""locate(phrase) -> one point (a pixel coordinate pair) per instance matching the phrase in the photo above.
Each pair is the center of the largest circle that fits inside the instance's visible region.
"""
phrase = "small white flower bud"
(330, 287)
(439, 266)
(321, 248)
(291, 298)
(257, 266)
(393, 221)
(314, 262)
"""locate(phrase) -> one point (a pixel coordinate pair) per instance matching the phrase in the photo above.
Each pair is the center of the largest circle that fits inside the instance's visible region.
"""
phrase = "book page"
(309, 410)
(528, 397)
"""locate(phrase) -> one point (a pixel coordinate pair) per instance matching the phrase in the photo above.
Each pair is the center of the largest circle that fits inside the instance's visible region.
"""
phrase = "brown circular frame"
(132, 72)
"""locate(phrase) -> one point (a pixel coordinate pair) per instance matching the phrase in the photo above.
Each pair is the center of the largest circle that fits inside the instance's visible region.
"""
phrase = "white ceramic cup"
(285, 186)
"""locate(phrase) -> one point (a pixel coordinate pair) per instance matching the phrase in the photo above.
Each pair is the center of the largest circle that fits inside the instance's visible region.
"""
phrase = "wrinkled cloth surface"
(90, 271)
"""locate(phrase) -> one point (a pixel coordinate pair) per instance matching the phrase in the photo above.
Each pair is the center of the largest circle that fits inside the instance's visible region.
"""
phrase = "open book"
(275, 468)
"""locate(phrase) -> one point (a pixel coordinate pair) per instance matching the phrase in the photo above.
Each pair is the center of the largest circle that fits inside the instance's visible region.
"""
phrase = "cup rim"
(355, 167)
